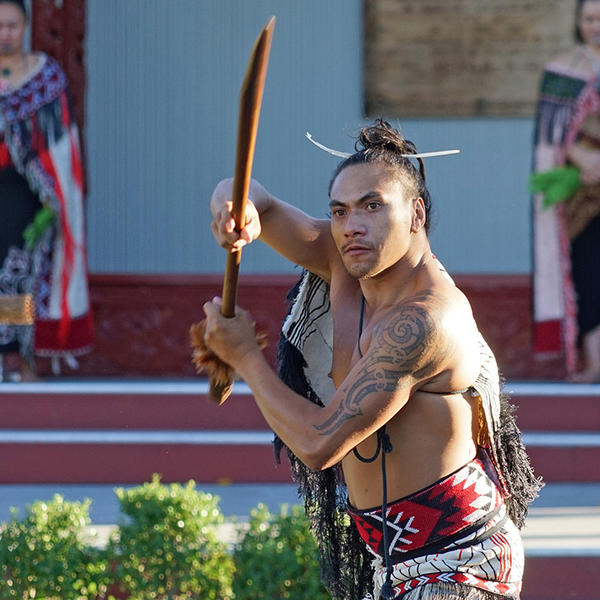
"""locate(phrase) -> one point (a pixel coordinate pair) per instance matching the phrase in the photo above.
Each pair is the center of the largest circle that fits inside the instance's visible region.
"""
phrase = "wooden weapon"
(220, 375)
(250, 100)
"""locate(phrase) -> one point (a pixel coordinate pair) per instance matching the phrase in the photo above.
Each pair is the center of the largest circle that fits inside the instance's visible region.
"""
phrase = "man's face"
(12, 28)
(371, 218)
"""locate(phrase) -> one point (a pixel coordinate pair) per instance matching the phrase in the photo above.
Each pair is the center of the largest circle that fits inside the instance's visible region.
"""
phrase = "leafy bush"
(168, 547)
(278, 558)
(44, 555)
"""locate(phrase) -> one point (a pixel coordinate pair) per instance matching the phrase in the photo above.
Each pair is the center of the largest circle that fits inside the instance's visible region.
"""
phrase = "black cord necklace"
(384, 446)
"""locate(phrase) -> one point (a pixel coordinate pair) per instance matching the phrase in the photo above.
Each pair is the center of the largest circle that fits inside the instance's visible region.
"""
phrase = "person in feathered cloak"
(42, 237)
(566, 206)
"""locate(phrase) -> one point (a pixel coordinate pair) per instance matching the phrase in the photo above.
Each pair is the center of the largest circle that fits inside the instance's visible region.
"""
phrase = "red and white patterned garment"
(454, 531)
(40, 140)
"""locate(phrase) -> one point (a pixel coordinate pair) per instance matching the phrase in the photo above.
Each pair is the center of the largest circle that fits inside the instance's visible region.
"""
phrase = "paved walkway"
(564, 520)
(236, 500)
(564, 531)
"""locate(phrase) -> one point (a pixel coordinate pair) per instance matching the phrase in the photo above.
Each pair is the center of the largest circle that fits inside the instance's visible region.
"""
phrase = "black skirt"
(18, 205)
(585, 268)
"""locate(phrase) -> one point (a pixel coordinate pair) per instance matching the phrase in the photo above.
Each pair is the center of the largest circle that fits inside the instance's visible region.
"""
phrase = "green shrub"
(278, 558)
(168, 546)
(44, 556)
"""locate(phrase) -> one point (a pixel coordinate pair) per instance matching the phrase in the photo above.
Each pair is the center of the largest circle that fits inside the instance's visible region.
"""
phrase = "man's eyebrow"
(364, 198)
(333, 203)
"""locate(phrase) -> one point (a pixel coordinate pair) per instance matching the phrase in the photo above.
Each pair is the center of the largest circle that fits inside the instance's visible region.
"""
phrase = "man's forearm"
(301, 239)
(290, 415)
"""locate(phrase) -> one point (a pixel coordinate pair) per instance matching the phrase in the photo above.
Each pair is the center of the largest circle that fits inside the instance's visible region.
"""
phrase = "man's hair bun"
(383, 136)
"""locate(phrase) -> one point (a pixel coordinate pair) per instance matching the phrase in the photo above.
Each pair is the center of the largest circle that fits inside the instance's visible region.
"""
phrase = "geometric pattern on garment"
(489, 559)
(15, 278)
(44, 86)
(434, 515)
(43, 143)
(15, 272)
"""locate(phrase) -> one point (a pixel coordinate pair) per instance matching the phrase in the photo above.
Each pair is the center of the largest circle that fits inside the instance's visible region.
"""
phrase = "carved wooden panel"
(142, 322)
(58, 29)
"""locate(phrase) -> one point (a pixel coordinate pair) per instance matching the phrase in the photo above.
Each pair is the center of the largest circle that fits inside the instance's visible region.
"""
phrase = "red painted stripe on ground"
(115, 411)
(566, 464)
(135, 463)
(561, 578)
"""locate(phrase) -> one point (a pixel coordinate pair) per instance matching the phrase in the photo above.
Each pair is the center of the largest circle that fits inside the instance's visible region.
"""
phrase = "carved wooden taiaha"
(251, 93)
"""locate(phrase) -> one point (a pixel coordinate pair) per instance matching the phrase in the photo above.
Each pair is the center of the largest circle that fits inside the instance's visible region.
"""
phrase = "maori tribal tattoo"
(402, 346)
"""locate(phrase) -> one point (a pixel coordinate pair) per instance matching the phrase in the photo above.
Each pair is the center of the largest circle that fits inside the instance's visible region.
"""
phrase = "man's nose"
(354, 226)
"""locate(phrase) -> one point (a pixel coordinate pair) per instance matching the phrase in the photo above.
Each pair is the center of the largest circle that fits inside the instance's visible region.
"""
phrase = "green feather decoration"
(44, 218)
(556, 185)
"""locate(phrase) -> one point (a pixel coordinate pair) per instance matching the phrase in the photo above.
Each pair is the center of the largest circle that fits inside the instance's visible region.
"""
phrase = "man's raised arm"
(300, 238)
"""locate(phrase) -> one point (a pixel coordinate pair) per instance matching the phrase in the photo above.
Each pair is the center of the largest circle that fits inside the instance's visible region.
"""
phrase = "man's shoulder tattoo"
(404, 344)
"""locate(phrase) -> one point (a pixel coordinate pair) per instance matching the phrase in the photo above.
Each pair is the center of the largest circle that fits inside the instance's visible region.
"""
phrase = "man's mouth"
(353, 249)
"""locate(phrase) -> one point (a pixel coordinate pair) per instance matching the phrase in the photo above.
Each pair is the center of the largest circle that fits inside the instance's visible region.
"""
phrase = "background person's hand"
(588, 162)
(590, 167)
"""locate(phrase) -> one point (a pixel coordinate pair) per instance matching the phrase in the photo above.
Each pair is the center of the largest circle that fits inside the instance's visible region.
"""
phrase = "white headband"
(347, 154)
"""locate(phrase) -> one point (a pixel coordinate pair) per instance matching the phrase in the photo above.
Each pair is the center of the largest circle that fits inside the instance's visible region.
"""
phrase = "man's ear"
(419, 215)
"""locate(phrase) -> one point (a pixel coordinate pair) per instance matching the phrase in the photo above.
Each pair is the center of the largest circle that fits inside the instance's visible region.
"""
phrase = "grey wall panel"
(163, 80)
(481, 221)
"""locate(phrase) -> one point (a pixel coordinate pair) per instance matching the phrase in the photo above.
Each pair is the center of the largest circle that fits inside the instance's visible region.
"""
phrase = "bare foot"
(9, 367)
(11, 377)
(28, 373)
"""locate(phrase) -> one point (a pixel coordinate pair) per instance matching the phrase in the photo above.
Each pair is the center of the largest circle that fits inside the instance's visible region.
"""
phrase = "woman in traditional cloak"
(567, 207)
(44, 301)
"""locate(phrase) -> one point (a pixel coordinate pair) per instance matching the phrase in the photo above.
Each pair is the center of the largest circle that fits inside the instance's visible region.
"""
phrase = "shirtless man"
(411, 368)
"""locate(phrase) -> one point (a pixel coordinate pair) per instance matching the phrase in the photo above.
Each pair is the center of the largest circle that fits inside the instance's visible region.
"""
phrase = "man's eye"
(338, 212)
(373, 205)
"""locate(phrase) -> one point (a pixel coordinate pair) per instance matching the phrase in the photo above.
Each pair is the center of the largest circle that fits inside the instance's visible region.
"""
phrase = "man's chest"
(345, 309)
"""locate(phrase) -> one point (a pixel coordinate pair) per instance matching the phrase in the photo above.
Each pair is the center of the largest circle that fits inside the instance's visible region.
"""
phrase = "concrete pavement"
(564, 520)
